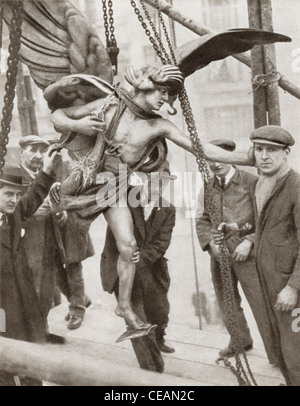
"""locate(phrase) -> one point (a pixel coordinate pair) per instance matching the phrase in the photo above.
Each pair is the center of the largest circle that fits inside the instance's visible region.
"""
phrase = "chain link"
(215, 216)
(111, 43)
(11, 77)
(106, 26)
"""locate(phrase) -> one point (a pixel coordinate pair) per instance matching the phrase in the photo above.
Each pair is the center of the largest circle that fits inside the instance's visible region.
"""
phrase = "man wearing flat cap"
(42, 239)
(18, 298)
(276, 197)
(231, 190)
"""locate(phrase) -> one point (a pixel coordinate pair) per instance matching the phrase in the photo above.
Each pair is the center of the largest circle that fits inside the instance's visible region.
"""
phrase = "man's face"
(32, 156)
(9, 198)
(156, 98)
(270, 158)
(219, 169)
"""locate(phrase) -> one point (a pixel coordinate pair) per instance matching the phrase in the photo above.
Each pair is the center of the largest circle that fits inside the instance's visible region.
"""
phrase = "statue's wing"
(198, 53)
(57, 41)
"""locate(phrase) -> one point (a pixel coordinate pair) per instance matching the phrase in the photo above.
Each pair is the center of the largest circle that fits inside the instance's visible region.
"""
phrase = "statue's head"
(151, 77)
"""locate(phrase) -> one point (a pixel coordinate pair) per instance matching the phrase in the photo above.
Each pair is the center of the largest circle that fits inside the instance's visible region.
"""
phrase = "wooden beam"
(201, 29)
(21, 96)
(257, 68)
(273, 105)
(31, 106)
(59, 365)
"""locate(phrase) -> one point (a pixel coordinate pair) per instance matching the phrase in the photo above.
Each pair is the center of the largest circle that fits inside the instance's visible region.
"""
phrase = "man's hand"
(215, 251)
(136, 257)
(54, 193)
(224, 230)
(61, 217)
(52, 159)
(242, 251)
(287, 299)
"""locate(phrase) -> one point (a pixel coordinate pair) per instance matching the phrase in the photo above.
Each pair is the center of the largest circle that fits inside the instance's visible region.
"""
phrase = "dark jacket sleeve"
(156, 249)
(294, 280)
(35, 195)
(203, 229)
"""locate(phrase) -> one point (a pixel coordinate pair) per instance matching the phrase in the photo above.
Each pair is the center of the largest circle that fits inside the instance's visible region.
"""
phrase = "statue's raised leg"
(120, 221)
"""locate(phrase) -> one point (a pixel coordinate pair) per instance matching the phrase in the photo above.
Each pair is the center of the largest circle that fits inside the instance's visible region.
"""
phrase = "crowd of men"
(42, 245)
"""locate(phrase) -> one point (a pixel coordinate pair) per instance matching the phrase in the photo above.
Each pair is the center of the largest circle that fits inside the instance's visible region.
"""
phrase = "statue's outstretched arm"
(211, 152)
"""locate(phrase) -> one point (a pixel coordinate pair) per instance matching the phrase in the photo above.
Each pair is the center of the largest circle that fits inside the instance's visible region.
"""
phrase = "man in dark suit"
(18, 297)
(153, 221)
(232, 194)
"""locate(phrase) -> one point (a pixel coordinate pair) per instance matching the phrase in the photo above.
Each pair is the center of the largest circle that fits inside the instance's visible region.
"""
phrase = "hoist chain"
(11, 76)
(210, 203)
(1, 26)
(165, 32)
(148, 33)
(111, 42)
(156, 34)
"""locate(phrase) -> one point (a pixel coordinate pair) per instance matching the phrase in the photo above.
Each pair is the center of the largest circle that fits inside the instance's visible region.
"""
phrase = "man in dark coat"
(231, 190)
(42, 238)
(276, 199)
(18, 297)
(153, 225)
(76, 246)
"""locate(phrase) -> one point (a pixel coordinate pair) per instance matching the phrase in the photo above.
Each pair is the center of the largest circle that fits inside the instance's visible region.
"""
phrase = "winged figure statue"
(104, 125)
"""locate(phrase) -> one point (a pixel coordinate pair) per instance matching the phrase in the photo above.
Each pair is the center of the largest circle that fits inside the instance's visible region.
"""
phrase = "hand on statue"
(89, 125)
(242, 251)
(136, 257)
(54, 193)
(52, 160)
(214, 250)
(287, 299)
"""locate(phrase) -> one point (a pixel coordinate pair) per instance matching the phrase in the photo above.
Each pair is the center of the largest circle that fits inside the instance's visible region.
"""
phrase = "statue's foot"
(131, 319)
(132, 333)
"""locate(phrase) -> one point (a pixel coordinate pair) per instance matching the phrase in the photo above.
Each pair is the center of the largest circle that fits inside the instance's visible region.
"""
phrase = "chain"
(156, 34)
(11, 77)
(148, 33)
(210, 203)
(106, 26)
(165, 32)
(111, 43)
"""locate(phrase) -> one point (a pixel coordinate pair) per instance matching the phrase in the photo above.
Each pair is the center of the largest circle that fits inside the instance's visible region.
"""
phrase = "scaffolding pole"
(266, 105)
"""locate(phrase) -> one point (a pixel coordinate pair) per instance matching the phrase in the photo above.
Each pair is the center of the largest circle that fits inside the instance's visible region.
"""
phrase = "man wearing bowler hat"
(18, 298)
(276, 197)
(231, 190)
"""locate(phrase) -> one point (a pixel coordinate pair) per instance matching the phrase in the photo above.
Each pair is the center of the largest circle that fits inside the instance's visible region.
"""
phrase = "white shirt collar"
(229, 175)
